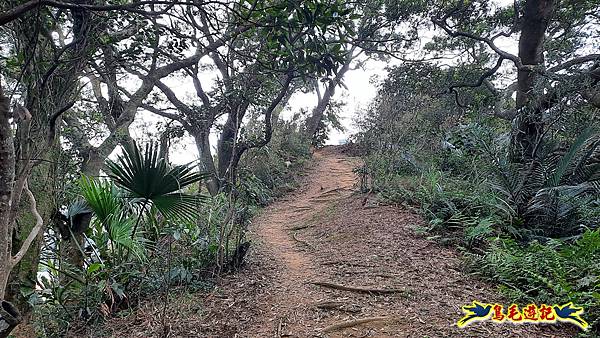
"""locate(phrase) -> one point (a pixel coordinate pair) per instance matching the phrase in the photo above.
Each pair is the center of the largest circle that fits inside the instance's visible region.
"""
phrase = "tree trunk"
(9, 315)
(206, 164)
(7, 176)
(312, 123)
(93, 164)
(42, 183)
(165, 144)
(37, 139)
(226, 147)
(530, 125)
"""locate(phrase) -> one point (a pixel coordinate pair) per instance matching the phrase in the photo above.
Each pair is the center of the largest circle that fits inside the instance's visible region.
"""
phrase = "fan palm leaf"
(146, 175)
(111, 211)
(121, 236)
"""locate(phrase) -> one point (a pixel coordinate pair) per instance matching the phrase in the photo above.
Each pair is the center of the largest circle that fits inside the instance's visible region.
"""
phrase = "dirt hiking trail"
(326, 262)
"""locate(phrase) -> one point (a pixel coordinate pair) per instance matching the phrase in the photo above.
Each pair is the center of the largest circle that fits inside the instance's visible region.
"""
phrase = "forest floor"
(326, 232)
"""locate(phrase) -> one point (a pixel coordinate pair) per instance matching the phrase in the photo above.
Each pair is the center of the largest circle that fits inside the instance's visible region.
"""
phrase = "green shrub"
(273, 170)
(555, 272)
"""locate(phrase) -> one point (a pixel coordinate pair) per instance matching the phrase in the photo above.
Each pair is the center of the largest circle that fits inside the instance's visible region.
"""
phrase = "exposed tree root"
(356, 289)
(300, 227)
(279, 326)
(301, 241)
(301, 208)
(322, 199)
(336, 190)
(329, 304)
(337, 305)
(355, 322)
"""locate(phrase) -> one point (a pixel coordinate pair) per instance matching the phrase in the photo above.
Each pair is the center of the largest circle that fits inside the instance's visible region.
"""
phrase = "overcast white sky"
(362, 87)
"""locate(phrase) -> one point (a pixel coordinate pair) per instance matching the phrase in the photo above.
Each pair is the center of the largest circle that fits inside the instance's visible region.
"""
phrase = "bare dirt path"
(326, 234)
(280, 232)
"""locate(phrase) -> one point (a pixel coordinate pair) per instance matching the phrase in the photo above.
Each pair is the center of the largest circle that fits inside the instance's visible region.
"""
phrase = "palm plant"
(147, 178)
(103, 198)
(112, 220)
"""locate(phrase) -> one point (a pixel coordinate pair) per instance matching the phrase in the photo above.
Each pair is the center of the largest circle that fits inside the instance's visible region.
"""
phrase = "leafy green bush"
(272, 170)
(548, 195)
(134, 221)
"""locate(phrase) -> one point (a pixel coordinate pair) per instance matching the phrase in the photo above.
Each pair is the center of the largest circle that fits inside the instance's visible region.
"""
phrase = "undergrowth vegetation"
(531, 227)
(147, 230)
(273, 170)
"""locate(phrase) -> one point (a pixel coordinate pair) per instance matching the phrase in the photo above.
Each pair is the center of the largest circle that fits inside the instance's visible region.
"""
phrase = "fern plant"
(546, 194)
(554, 272)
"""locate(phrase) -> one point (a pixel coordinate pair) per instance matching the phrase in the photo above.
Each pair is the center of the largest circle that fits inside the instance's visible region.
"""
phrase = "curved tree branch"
(488, 41)
(39, 223)
(575, 61)
(482, 78)
(170, 116)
